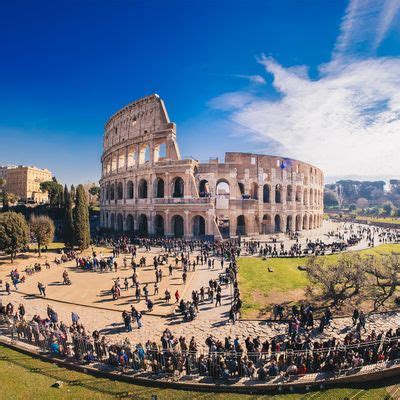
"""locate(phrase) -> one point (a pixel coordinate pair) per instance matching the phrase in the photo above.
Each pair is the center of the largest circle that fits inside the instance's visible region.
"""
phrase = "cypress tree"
(81, 219)
(68, 219)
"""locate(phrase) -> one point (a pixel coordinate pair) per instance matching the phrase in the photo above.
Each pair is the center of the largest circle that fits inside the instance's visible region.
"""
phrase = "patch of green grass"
(24, 377)
(255, 280)
(388, 220)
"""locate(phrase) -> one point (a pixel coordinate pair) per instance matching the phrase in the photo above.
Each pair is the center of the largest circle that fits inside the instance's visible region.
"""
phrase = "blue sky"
(287, 77)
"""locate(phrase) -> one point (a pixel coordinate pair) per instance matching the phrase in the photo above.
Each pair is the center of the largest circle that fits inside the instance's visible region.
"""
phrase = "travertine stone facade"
(148, 189)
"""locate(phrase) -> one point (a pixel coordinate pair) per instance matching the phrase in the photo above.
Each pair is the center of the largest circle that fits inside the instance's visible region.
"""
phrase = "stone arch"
(305, 197)
(112, 221)
(120, 191)
(278, 193)
(305, 221)
(298, 222)
(120, 223)
(160, 152)
(241, 225)
(105, 220)
(311, 197)
(129, 190)
(130, 223)
(254, 191)
(204, 188)
(159, 225)
(298, 194)
(112, 192)
(143, 225)
(266, 194)
(198, 226)
(159, 188)
(142, 189)
(289, 223)
(241, 188)
(277, 223)
(266, 224)
(178, 187)
(144, 153)
(178, 226)
(222, 187)
(289, 193)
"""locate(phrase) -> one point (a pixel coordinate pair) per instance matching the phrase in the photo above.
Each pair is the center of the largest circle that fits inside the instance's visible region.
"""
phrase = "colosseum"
(147, 188)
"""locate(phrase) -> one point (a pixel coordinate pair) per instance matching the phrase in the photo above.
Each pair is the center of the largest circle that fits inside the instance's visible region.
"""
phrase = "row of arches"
(279, 223)
(134, 155)
(297, 194)
(142, 226)
(116, 191)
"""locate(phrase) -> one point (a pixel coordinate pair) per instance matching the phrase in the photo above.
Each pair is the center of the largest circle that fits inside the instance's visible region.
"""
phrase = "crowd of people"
(293, 354)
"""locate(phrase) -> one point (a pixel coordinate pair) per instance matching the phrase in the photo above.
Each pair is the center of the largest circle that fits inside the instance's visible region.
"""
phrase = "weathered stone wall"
(147, 188)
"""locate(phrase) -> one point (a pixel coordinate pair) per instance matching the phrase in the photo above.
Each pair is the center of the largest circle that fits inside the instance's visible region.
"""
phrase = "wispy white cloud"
(347, 121)
(257, 79)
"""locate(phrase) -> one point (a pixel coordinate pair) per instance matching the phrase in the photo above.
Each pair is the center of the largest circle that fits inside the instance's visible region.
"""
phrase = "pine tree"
(68, 224)
(81, 219)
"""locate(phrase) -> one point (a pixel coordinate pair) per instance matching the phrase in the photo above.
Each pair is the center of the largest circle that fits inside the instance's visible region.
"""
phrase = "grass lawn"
(260, 289)
(377, 219)
(24, 377)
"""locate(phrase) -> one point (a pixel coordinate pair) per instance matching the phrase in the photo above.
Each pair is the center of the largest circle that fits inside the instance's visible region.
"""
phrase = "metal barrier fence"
(322, 364)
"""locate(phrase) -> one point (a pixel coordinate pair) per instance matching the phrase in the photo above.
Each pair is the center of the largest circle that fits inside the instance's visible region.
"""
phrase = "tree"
(14, 233)
(352, 207)
(81, 219)
(55, 191)
(340, 281)
(68, 223)
(388, 208)
(42, 230)
(95, 191)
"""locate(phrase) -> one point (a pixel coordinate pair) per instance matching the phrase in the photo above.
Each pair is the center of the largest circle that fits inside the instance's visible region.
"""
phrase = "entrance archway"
(130, 224)
(266, 224)
(289, 223)
(142, 225)
(120, 223)
(178, 226)
(199, 226)
(159, 225)
(241, 225)
(277, 223)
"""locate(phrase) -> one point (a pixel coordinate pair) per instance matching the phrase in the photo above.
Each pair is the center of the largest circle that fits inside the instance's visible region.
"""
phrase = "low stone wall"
(362, 377)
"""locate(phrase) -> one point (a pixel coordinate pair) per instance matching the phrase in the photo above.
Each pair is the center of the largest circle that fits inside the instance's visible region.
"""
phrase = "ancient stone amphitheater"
(147, 188)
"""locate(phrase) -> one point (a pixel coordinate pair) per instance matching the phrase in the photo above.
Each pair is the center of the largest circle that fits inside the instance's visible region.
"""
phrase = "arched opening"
(178, 226)
(199, 226)
(112, 222)
(241, 188)
(305, 222)
(224, 226)
(222, 188)
(298, 194)
(254, 191)
(278, 194)
(159, 225)
(112, 192)
(289, 193)
(142, 225)
(178, 187)
(129, 190)
(142, 189)
(159, 188)
(266, 224)
(240, 225)
(204, 188)
(108, 192)
(277, 223)
(144, 154)
(266, 194)
(120, 191)
(298, 223)
(160, 152)
(289, 223)
(120, 223)
(311, 197)
(130, 224)
(305, 197)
